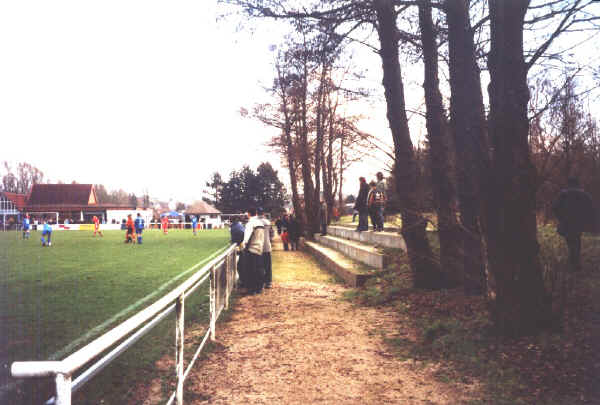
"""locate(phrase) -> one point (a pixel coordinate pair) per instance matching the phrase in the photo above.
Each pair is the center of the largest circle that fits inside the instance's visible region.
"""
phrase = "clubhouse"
(73, 203)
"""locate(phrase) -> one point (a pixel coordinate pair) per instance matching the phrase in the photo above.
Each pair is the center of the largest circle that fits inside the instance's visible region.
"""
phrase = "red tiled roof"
(201, 207)
(60, 194)
(77, 207)
(19, 200)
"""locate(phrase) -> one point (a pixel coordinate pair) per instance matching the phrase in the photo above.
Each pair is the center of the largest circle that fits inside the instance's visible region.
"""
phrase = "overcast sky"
(130, 94)
(145, 94)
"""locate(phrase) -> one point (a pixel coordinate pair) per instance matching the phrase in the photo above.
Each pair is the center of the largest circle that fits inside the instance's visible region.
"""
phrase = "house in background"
(76, 203)
(208, 216)
(12, 206)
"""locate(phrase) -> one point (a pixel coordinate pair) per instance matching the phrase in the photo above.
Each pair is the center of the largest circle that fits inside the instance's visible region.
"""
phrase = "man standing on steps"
(371, 208)
(575, 212)
(323, 217)
(379, 201)
(253, 245)
(269, 233)
(361, 205)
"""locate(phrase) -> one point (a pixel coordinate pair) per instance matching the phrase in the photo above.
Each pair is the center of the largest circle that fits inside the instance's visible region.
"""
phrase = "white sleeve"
(248, 231)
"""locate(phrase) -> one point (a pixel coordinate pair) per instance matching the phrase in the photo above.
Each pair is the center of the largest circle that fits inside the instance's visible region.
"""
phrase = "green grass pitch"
(53, 300)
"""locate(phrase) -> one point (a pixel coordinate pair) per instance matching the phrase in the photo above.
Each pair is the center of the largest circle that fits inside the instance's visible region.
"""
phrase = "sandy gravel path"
(299, 343)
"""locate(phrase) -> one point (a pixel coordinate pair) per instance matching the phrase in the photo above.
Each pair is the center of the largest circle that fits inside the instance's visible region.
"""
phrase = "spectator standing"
(279, 225)
(323, 217)
(372, 209)
(253, 243)
(360, 205)
(269, 233)
(285, 235)
(294, 232)
(237, 231)
(575, 212)
(380, 200)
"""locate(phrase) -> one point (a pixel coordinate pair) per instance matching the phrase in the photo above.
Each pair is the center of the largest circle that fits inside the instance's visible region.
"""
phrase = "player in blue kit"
(139, 228)
(47, 232)
(26, 227)
(194, 224)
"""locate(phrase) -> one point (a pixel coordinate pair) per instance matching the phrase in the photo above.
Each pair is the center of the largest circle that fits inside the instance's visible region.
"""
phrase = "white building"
(208, 216)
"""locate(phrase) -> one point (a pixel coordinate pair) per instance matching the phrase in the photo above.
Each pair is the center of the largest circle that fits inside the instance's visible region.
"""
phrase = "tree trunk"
(426, 272)
(341, 182)
(470, 138)
(521, 304)
(444, 192)
(310, 221)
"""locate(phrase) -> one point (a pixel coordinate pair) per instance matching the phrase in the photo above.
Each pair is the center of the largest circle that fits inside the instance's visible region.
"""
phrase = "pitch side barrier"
(221, 273)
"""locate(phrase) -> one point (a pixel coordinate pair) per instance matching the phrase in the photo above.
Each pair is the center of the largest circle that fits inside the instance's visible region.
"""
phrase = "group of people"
(134, 229)
(46, 238)
(370, 203)
(288, 227)
(254, 241)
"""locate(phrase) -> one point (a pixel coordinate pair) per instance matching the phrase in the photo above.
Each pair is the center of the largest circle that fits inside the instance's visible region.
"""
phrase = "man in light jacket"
(253, 245)
(269, 233)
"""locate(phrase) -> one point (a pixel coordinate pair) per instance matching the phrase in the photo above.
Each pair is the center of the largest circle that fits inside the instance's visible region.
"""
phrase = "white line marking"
(10, 386)
(133, 306)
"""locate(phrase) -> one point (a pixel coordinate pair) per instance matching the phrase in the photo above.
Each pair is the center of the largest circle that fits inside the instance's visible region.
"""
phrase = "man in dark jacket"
(361, 206)
(237, 231)
(575, 212)
(323, 217)
(294, 232)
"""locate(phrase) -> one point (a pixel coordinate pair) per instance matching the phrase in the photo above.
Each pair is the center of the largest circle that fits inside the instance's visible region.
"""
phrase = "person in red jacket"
(130, 230)
(165, 224)
(97, 225)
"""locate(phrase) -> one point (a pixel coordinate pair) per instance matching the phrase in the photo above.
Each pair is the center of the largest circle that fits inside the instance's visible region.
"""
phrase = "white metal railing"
(221, 271)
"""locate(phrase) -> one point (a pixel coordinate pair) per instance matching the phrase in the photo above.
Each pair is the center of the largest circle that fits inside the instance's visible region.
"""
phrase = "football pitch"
(54, 300)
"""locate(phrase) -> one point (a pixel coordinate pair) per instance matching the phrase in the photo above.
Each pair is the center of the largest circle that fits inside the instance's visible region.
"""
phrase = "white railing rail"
(221, 271)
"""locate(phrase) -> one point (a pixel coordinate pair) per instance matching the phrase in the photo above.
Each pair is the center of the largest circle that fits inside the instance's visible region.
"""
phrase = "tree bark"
(470, 138)
(426, 272)
(444, 191)
(521, 303)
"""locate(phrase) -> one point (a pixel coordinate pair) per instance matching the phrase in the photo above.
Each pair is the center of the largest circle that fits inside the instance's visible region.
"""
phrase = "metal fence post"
(63, 389)
(228, 279)
(179, 341)
(213, 303)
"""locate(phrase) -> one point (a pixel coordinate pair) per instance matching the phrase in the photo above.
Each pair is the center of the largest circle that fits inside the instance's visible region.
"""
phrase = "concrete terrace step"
(366, 254)
(352, 272)
(386, 239)
(386, 228)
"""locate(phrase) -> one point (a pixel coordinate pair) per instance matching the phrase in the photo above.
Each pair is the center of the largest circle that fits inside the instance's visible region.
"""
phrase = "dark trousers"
(574, 245)
(324, 228)
(254, 266)
(268, 269)
(293, 244)
(373, 216)
(242, 270)
(379, 217)
(363, 220)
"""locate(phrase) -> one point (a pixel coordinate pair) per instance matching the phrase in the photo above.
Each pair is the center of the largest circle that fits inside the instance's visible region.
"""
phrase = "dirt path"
(298, 343)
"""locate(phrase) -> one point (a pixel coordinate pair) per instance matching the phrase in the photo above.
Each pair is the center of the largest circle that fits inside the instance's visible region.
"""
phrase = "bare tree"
(520, 304)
